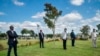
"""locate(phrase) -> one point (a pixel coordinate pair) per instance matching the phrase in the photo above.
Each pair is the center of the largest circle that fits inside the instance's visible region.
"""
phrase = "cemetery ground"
(31, 48)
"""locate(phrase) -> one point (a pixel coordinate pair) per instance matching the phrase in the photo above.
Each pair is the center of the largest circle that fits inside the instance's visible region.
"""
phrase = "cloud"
(2, 23)
(92, 22)
(2, 13)
(73, 16)
(77, 21)
(29, 24)
(77, 2)
(97, 16)
(16, 2)
(94, 19)
(69, 21)
(72, 20)
(39, 15)
(18, 26)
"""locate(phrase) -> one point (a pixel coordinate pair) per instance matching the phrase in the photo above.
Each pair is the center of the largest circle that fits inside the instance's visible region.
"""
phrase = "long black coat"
(11, 37)
(41, 36)
(72, 34)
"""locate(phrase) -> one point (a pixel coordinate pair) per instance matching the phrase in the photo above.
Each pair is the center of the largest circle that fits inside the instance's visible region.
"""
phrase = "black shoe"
(42, 47)
(65, 48)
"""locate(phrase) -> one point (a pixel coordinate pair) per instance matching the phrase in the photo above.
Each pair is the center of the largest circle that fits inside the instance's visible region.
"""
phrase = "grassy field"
(82, 48)
(22, 42)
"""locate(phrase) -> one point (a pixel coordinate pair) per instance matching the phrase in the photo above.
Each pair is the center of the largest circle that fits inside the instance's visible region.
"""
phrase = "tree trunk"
(54, 37)
(53, 33)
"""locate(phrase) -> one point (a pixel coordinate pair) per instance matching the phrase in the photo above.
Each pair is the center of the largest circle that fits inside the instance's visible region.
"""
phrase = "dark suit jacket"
(72, 34)
(11, 37)
(41, 36)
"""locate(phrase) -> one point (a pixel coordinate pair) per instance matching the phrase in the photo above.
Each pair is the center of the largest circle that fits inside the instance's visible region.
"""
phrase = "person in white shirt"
(64, 38)
(94, 38)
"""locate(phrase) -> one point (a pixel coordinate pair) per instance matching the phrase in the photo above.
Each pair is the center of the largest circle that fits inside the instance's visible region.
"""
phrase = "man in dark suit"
(41, 37)
(12, 40)
(73, 37)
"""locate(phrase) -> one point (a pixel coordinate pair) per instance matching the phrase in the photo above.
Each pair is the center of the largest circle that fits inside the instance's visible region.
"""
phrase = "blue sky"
(29, 13)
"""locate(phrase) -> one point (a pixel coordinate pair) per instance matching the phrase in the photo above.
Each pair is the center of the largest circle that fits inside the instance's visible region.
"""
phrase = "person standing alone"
(94, 38)
(41, 37)
(64, 38)
(12, 40)
(73, 37)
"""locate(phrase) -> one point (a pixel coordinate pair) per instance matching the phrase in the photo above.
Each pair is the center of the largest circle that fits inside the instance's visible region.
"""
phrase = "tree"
(24, 31)
(51, 16)
(49, 35)
(85, 30)
(3, 35)
(98, 26)
(32, 33)
(27, 32)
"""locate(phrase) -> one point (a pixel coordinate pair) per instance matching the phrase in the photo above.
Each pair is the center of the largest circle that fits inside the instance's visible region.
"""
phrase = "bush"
(26, 44)
(1, 47)
(3, 35)
(57, 39)
(83, 38)
(30, 43)
(22, 45)
(49, 35)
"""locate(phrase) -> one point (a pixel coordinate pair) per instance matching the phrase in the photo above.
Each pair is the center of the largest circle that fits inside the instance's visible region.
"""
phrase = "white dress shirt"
(94, 35)
(64, 35)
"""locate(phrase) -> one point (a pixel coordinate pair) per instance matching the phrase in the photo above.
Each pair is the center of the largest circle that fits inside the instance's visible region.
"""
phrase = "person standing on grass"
(41, 37)
(12, 40)
(73, 37)
(94, 38)
(64, 38)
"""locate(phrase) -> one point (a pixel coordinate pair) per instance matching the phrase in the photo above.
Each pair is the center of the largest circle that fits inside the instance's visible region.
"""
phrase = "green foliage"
(98, 26)
(49, 35)
(49, 23)
(26, 31)
(32, 33)
(85, 30)
(83, 38)
(1, 47)
(3, 35)
(52, 14)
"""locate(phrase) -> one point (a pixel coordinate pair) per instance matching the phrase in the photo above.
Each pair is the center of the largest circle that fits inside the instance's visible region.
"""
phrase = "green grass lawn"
(82, 48)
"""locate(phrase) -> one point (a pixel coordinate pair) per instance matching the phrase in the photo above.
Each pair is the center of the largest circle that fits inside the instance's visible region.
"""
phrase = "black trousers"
(14, 46)
(41, 43)
(64, 44)
(73, 42)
